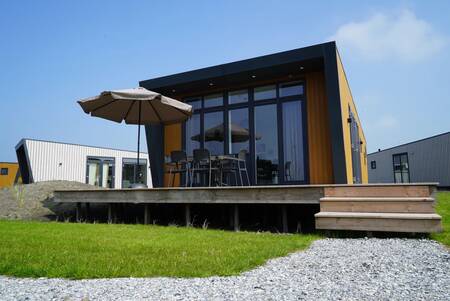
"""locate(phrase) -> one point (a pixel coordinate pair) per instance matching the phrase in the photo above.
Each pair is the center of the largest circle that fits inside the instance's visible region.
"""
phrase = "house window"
(291, 89)
(266, 92)
(238, 96)
(129, 167)
(214, 100)
(373, 164)
(100, 172)
(4, 171)
(401, 168)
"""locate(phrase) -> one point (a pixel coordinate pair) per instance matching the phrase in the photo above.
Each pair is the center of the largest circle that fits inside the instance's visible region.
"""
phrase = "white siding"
(58, 161)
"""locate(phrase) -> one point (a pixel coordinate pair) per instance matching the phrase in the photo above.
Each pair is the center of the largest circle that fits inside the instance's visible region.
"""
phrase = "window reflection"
(213, 100)
(265, 92)
(192, 131)
(290, 89)
(214, 135)
(238, 130)
(266, 144)
(294, 169)
(238, 96)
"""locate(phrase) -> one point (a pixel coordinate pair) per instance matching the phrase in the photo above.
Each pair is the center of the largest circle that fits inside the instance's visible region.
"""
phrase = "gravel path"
(332, 269)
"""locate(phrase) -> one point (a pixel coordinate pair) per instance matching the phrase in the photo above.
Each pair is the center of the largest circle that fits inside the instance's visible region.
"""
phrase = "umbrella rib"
(181, 111)
(103, 105)
(129, 109)
(156, 113)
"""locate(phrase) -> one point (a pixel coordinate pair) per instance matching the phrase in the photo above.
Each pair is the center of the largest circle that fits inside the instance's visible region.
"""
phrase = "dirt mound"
(35, 201)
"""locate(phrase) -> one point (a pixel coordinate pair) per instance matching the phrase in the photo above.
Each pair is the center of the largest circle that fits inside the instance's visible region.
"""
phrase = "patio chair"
(242, 166)
(202, 164)
(178, 165)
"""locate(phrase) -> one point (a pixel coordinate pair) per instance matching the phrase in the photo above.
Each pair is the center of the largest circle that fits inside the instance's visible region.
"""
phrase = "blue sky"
(53, 53)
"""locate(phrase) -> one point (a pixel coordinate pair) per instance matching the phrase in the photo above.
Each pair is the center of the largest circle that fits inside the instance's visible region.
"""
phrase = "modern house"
(105, 167)
(9, 174)
(425, 160)
(302, 122)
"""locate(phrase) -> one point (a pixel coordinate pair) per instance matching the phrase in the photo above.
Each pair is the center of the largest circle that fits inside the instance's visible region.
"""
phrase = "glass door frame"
(102, 160)
(400, 155)
(250, 105)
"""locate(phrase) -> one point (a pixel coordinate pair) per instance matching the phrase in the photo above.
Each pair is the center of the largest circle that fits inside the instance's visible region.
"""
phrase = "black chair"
(178, 164)
(202, 164)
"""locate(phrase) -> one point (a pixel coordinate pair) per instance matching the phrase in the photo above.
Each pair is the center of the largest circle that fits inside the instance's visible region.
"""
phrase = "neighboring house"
(296, 106)
(425, 160)
(9, 174)
(46, 161)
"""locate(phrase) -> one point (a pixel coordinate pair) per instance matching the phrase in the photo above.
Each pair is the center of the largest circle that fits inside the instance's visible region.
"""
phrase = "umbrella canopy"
(216, 133)
(120, 105)
(136, 106)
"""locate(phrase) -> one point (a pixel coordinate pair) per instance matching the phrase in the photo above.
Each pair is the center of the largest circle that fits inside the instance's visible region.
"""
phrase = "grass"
(78, 251)
(443, 208)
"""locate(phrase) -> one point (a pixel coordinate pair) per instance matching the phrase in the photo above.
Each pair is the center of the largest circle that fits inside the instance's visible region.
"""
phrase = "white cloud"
(399, 36)
(387, 122)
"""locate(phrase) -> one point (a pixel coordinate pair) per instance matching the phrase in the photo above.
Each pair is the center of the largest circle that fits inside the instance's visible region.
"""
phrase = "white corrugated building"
(47, 161)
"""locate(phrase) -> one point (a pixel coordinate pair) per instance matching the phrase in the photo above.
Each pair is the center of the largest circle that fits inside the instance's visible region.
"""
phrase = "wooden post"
(187, 214)
(236, 218)
(78, 212)
(109, 213)
(88, 211)
(284, 218)
(146, 214)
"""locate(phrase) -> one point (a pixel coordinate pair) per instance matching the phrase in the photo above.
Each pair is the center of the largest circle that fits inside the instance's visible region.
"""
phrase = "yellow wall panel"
(172, 141)
(346, 102)
(9, 179)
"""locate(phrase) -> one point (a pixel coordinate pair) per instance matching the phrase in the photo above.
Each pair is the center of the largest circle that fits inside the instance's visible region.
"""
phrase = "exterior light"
(253, 76)
(301, 67)
(173, 90)
(211, 84)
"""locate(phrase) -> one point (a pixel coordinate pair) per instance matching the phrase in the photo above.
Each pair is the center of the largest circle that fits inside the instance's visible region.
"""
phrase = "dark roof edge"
(307, 52)
(22, 141)
(5, 162)
(407, 143)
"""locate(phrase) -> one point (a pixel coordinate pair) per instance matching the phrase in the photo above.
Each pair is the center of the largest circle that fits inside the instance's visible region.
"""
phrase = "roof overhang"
(278, 65)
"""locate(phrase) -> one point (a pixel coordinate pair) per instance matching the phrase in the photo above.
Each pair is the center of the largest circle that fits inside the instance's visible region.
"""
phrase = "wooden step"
(392, 190)
(386, 222)
(378, 204)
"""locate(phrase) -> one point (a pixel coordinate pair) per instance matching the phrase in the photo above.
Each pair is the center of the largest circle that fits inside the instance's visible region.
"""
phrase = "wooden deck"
(336, 203)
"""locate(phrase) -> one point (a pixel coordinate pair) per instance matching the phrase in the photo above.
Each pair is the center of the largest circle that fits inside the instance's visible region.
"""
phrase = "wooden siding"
(319, 142)
(172, 141)
(346, 102)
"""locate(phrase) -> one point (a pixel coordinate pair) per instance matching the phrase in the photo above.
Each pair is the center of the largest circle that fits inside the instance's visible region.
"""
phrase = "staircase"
(389, 208)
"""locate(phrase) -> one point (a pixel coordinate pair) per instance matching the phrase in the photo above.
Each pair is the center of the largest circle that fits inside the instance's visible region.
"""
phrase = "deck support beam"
(110, 213)
(236, 217)
(78, 212)
(88, 211)
(187, 214)
(284, 218)
(146, 214)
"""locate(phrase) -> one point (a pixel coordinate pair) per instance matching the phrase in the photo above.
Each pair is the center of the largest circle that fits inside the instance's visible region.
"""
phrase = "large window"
(266, 144)
(238, 131)
(129, 168)
(267, 122)
(193, 137)
(293, 148)
(100, 172)
(401, 168)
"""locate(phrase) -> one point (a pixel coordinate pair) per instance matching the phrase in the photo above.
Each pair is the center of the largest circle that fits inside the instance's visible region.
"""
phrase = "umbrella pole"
(137, 166)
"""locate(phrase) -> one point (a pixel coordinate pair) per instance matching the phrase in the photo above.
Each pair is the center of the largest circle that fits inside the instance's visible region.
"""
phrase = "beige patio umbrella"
(136, 106)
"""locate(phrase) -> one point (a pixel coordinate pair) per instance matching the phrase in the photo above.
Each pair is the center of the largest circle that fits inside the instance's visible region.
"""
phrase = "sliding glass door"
(100, 172)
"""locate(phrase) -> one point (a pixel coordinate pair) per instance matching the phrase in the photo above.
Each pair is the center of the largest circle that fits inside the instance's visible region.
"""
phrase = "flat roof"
(279, 64)
(84, 145)
(407, 143)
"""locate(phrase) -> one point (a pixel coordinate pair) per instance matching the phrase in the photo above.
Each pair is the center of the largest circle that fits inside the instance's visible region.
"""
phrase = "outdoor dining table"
(217, 161)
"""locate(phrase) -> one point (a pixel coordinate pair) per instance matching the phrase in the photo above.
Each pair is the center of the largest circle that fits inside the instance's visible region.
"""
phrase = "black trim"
(335, 114)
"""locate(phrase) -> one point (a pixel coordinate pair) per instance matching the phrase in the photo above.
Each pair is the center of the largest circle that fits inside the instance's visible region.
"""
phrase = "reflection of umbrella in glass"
(216, 133)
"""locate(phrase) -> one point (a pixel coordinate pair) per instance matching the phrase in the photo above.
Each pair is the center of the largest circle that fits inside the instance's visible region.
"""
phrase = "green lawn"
(39, 249)
(443, 208)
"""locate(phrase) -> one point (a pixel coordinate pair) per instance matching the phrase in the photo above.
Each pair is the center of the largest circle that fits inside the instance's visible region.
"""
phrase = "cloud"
(400, 36)
(387, 122)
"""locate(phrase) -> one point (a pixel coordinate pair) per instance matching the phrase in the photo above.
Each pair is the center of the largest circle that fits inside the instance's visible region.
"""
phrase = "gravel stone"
(331, 269)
